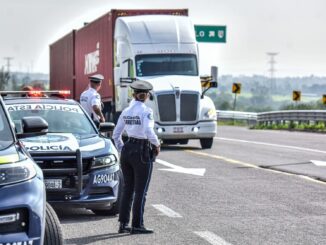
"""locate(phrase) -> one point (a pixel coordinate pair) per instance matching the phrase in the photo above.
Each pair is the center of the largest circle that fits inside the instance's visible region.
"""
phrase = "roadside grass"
(317, 127)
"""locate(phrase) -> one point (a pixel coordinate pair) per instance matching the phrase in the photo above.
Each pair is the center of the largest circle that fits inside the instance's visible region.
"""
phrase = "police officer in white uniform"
(137, 156)
(90, 99)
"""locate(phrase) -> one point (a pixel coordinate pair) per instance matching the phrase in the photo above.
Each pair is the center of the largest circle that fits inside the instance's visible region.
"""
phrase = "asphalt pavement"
(225, 195)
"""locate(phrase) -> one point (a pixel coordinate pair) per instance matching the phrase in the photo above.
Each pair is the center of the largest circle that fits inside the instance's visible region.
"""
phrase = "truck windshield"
(61, 118)
(166, 64)
(6, 137)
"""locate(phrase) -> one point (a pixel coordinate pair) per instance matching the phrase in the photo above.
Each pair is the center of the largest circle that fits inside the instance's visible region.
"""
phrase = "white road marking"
(318, 163)
(167, 211)
(179, 169)
(250, 165)
(275, 145)
(211, 238)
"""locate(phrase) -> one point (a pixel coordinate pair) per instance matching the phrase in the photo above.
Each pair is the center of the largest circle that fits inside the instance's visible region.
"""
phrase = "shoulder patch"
(97, 96)
(150, 116)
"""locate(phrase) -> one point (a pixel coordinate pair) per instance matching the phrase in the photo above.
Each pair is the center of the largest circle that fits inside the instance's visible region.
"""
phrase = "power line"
(272, 70)
(8, 59)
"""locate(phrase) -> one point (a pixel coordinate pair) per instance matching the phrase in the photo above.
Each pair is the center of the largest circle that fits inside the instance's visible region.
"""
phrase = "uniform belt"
(135, 140)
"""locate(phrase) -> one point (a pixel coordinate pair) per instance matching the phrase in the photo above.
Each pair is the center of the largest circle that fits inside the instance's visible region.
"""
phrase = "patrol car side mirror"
(106, 127)
(33, 126)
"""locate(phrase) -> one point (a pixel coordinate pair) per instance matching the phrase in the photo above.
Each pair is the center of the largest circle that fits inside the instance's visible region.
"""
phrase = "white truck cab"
(162, 50)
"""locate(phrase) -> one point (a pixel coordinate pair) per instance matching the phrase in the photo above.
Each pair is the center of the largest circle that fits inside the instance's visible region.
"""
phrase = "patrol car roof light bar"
(37, 93)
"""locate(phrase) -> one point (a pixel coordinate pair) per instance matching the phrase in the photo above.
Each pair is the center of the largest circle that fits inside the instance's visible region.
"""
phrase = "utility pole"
(8, 59)
(272, 70)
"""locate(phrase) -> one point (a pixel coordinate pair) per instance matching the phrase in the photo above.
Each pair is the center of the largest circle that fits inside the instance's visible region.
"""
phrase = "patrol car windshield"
(166, 64)
(62, 118)
(6, 137)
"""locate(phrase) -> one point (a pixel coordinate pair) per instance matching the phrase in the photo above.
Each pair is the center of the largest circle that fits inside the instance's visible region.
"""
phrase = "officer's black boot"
(141, 230)
(124, 228)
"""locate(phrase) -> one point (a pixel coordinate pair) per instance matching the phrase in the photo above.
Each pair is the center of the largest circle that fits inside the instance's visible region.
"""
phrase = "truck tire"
(206, 143)
(114, 210)
(53, 232)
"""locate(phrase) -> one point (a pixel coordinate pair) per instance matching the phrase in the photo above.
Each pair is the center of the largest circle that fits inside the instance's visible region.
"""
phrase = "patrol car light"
(64, 92)
(101, 162)
(11, 173)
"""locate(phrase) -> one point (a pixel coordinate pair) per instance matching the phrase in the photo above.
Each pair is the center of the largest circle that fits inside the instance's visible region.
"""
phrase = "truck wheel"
(206, 143)
(114, 210)
(53, 232)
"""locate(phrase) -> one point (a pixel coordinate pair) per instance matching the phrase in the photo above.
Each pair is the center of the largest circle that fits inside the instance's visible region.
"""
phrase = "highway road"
(252, 187)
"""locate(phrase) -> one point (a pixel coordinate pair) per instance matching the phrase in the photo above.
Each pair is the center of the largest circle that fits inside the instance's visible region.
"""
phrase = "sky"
(295, 29)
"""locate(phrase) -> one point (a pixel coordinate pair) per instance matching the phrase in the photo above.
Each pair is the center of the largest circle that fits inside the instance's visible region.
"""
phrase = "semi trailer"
(158, 46)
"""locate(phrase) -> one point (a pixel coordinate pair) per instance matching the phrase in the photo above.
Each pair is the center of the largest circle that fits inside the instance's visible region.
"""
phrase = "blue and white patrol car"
(80, 165)
(24, 213)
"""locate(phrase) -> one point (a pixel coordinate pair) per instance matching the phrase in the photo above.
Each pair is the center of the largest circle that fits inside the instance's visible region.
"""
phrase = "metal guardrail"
(237, 115)
(274, 116)
(292, 116)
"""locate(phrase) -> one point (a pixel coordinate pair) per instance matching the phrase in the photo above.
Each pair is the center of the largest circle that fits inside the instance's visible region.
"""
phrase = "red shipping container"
(62, 63)
(93, 53)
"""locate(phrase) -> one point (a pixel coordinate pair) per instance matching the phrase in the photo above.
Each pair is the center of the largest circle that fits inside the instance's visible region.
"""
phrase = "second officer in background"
(90, 99)
(137, 156)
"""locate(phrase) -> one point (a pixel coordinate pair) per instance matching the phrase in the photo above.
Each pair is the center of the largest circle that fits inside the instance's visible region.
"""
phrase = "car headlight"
(11, 173)
(106, 161)
(211, 114)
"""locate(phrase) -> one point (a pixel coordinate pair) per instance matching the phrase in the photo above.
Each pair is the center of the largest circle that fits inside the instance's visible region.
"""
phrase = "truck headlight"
(106, 161)
(11, 173)
(211, 114)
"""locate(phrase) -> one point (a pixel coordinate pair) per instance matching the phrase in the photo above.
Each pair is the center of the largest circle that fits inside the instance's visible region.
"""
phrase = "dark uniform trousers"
(136, 166)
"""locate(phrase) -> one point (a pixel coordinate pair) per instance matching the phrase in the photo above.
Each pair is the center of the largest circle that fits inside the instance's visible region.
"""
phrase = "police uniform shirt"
(88, 99)
(137, 120)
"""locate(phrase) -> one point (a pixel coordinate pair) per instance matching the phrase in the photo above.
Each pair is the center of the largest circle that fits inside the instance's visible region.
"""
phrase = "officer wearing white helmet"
(90, 99)
(137, 156)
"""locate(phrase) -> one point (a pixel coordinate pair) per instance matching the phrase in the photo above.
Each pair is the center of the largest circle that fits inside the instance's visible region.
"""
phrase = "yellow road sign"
(296, 95)
(236, 88)
(324, 99)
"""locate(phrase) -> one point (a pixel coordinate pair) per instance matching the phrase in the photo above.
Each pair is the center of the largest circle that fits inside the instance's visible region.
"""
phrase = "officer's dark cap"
(140, 86)
(96, 78)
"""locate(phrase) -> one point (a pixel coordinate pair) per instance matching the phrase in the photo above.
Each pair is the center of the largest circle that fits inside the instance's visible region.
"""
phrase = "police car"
(80, 165)
(23, 210)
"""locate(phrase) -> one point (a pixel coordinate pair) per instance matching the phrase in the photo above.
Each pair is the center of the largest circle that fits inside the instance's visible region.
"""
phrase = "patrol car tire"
(206, 143)
(114, 210)
(53, 231)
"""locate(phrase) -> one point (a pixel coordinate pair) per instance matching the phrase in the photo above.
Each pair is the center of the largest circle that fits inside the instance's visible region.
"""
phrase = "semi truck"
(158, 46)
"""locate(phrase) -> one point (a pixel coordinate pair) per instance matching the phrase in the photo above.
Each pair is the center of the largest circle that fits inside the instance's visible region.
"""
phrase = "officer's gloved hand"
(157, 150)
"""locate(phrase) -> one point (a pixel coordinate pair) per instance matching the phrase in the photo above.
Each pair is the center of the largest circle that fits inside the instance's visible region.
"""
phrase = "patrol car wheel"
(115, 208)
(206, 143)
(53, 232)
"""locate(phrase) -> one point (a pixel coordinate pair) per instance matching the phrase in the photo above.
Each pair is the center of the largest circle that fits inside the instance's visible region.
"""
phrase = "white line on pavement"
(211, 238)
(167, 211)
(229, 160)
(319, 163)
(270, 144)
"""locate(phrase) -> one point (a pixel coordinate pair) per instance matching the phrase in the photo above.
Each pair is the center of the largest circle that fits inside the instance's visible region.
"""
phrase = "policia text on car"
(137, 156)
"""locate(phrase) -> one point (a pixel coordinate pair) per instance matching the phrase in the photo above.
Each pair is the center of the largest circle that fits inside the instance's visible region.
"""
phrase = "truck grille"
(167, 106)
(188, 107)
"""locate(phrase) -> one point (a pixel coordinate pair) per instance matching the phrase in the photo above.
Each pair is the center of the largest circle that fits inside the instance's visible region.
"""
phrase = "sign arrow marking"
(178, 169)
(318, 163)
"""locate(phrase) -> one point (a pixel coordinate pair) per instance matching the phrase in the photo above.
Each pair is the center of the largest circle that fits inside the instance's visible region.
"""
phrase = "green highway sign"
(210, 34)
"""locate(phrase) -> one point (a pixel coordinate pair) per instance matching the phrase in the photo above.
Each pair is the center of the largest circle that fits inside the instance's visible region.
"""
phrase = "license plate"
(20, 243)
(177, 129)
(53, 183)
(103, 178)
